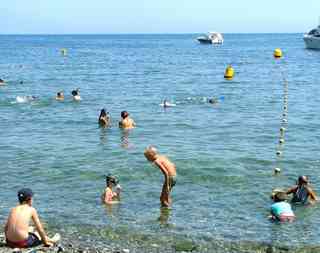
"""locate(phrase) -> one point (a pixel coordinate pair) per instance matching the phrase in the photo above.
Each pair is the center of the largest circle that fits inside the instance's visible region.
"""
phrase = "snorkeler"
(169, 171)
(104, 118)
(76, 95)
(302, 192)
(126, 122)
(60, 96)
(109, 196)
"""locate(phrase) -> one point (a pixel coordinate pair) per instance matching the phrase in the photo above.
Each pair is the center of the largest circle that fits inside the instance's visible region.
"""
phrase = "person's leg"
(33, 240)
(164, 197)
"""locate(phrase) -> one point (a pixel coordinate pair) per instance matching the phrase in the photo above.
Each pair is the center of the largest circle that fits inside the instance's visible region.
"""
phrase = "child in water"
(281, 210)
(168, 169)
(60, 96)
(76, 95)
(104, 118)
(17, 226)
(126, 122)
(109, 196)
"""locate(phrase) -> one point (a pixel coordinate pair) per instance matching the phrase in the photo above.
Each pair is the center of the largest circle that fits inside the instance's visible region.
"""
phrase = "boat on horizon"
(211, 38)
(312, 38)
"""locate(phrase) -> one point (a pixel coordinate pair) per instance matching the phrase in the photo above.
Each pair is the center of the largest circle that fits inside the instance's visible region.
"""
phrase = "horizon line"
(164, 33)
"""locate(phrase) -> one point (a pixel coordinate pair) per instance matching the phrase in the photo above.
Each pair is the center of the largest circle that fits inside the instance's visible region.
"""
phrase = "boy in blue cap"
(17, 225)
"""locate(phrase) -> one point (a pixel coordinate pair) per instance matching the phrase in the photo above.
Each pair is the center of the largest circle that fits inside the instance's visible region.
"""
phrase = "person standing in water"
(109, 196)
(168, 170)
(17, 225)
(126, 122)
(302, 192)
(281, 210)
(104, 118)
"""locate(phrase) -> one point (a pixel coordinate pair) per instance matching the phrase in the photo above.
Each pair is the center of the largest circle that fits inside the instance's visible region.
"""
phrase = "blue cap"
(25, 194)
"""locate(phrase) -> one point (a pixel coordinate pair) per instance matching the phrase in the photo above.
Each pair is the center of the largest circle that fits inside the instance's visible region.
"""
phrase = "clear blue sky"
(156, 16)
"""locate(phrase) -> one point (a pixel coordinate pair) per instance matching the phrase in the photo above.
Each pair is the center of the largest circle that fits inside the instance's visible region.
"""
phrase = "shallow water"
(224, 153)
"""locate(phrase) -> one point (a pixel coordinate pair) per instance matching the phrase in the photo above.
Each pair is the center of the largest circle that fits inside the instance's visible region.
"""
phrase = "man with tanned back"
(17, 226)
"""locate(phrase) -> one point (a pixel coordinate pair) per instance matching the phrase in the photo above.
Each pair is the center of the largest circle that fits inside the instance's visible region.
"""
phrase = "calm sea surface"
(225, 153)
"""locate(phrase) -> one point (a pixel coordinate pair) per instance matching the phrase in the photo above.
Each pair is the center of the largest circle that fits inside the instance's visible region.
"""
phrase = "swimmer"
(76, 95)
(169, 172)
(2, 82)
(104, 118)
(276, 171)
(281, 210)
(166, 104)
(60, 96)
(17, 226)
(126, 122)
(213, 101)
(25, 99)
(302, 192)
(109, 196)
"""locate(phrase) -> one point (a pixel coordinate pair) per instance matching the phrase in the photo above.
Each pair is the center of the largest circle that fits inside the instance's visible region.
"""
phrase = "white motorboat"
(312, 38)
(211, 38)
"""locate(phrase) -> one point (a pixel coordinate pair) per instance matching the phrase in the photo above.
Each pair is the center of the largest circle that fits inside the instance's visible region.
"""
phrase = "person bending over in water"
(60, 96)
(302, 192)
(76, 95)
(281, 210)
(104, 118)
(126, 122)
(109, 196)
(169, 171)
(17, 225)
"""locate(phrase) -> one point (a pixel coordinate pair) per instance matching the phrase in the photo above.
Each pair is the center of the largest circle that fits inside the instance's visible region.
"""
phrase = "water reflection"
(103, 135)
(125, 143)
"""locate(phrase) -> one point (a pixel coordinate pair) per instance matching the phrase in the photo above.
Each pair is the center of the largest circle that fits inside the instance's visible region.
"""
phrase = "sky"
(161, 16)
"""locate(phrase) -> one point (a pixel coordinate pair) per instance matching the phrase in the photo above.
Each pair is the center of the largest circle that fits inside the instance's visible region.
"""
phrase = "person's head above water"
(280, 196)
(303, 180)
(75, 92)
(103, 113)
(151, 153)
(124, 114)
(25, 195)
(60, 94)
(111, 180)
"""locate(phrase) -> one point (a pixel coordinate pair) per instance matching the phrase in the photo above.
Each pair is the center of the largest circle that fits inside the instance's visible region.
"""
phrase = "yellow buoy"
(64, 51)
(277, 53)
(229, 73)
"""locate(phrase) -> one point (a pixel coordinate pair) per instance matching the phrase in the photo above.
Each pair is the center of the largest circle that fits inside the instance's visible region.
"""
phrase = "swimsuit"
(32, 241)
(300, 195)
(282, 211)
(172, 182)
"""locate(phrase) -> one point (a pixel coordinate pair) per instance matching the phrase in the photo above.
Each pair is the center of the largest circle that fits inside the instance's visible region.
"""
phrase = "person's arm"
(313, 196)
(164, 171)
(6, 227)
(292, 190)
(39, 228)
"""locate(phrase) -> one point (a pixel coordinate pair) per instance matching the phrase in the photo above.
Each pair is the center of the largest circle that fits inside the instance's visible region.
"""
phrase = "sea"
(225, 153)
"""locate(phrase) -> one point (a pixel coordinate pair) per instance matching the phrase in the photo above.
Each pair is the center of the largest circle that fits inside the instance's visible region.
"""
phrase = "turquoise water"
(225, 153)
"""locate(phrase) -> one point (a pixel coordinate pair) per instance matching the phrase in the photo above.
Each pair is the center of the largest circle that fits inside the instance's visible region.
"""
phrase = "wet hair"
(111, 179)
(124, 114)
(280, 196)
(102, 113)
(59, 94)
(75, 92)
(1, 81)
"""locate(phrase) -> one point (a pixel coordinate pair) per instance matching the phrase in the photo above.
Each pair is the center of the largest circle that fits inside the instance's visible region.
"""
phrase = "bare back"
(167, 164)
(17, 227)
(127, 123)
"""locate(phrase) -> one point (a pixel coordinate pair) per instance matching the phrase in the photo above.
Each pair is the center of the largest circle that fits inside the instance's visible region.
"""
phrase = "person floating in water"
(109, 196)
(104, 118)
(281, 210)
(126, 122)
(302, 192)
(60, 96)
(169, 171)
(166, 104)
(2, 82)
(76, 95)
(17, 226)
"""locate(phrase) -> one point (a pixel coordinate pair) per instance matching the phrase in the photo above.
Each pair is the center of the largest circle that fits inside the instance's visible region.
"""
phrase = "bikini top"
(301, 195)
